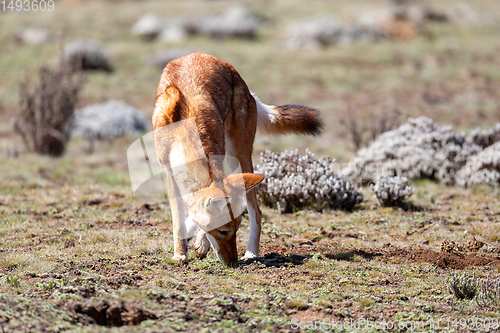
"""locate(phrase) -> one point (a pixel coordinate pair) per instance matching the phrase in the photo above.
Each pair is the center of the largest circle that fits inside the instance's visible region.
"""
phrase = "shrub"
(423, 149)
(483, 168)
(484, 138)
(47, 109)
(362, 132)
(391, 191)
(417, 149)
(462, 285)
(293, 181)
(489, 293)
(484, 291)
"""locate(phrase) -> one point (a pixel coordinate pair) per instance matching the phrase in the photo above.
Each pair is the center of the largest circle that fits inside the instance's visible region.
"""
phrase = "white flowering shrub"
(483, 168)
(484, 138)
(417, 149)
(391, 191)
(293, 181)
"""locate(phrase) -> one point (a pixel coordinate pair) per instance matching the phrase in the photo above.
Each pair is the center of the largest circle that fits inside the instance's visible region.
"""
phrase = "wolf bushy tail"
(282, 119)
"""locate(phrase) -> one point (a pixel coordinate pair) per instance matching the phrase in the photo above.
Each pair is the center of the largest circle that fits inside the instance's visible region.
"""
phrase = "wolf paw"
(249, 255)
(201, 247)
(180, 258)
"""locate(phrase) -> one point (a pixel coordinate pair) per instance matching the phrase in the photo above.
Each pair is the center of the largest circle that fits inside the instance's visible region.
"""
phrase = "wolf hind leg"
(178, 222)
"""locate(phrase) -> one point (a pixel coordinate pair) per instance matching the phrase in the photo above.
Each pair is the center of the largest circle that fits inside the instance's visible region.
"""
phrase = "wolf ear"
(250, 180)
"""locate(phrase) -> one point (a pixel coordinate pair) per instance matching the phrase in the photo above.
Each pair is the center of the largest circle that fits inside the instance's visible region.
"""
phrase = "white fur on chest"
(177, 155)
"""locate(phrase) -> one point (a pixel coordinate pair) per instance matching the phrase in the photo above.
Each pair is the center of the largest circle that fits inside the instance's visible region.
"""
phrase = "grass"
(71, 231)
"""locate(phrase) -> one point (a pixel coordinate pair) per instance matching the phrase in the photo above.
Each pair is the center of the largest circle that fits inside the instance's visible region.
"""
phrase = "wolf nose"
(232, 262)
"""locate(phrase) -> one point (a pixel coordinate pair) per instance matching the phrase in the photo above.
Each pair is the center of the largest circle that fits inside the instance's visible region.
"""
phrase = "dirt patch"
(213, 308)
(454, 260)
(364, 253)
(107, 314)
(443, 259)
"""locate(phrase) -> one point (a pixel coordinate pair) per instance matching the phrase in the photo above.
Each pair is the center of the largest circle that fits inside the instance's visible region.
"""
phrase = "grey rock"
(234, 22)
(108, 121)
(33, 36)
(329, 30)
(86, 55)
(173, 32)
(148, 26)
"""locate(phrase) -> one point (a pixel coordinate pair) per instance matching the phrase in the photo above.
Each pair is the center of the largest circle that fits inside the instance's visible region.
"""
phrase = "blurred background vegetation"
(439, 59)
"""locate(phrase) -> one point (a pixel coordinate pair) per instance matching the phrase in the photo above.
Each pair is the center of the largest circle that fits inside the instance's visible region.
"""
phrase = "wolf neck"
(191, 166)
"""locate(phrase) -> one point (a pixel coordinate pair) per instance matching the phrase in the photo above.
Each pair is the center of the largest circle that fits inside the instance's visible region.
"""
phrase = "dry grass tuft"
(47, 109)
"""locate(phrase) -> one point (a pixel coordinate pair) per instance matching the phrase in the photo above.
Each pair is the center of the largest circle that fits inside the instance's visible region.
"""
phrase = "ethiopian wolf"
(226, 115)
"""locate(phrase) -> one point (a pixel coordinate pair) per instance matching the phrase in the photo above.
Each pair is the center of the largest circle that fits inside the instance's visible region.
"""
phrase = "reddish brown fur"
(210, 94)
(211, 91)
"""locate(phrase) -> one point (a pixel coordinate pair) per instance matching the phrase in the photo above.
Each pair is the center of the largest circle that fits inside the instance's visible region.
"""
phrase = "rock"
(394, 23)
(329, 30)
(86, 55)
(464, 13)
(33, 36)
(236, 22)
(148, 27)
(174, 32)
(108, 121)
(321, 31)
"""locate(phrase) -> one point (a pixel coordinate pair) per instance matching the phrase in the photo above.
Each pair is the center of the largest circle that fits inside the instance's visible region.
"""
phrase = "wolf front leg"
(178, 221)
(255, 217)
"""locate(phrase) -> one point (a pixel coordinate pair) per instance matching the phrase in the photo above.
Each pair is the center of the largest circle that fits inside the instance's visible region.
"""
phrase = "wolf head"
(217, 210)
